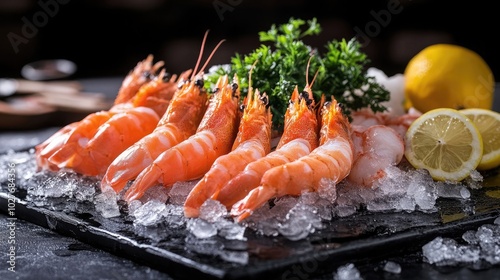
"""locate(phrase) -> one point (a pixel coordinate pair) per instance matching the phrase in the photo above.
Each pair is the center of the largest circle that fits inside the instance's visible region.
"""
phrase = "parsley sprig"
(282, 62)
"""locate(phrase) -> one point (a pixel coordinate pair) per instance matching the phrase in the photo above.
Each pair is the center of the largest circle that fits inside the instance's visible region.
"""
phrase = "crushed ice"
(392, 267)
(347, 272)
(403, 189)
(477, 249)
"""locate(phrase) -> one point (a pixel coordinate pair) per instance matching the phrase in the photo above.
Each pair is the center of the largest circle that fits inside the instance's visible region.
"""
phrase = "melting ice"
(476, 249)
(403, 189)
(347, 272)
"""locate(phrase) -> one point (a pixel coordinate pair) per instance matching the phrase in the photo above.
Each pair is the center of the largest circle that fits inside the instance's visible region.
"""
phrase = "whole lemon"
(448, 76)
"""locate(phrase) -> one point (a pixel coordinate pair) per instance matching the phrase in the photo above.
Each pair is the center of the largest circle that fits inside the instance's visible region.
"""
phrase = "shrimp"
(179, 122)
(192, 158)
(142, 73)
(157, 93)
(85, 146)
(366, 118)
(253, 141)
(401, 123)
(375, 148)
(332, 160)
(300, 137)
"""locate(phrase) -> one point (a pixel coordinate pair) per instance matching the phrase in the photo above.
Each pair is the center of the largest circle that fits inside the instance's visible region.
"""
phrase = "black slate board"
(364, 235)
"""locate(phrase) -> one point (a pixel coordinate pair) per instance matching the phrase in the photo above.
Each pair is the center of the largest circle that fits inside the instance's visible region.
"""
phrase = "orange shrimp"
(179, 122)
(331, 160)
(252, 142)
(192, 158)
(142, 73)
(300, 137)
(86, 146)
(157, 93)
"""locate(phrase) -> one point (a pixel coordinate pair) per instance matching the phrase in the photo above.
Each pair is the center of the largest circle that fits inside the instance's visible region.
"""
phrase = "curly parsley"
(282, 65)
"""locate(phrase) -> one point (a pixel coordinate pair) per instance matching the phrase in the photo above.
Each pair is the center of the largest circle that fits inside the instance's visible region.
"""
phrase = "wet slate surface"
(364, 238)
(54, 244)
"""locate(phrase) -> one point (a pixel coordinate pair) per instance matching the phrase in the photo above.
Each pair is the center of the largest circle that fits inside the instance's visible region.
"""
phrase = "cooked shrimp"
(375, 148)
(403, 122)
(332, 160)
(86, 146)
(253, 141)
(192, 158)
(179, 122)
(142, 73)
(157, 93)
(366, 118)
(299, 138)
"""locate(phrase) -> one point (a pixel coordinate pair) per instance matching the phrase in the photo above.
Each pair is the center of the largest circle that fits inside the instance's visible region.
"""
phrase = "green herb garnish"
(282, 66)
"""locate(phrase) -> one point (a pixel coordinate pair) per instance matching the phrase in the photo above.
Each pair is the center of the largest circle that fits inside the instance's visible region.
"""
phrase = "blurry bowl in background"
(48, 69)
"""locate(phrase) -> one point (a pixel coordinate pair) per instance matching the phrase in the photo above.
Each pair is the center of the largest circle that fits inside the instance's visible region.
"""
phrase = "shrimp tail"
(254, 200)
(200, 193)
(120, 171)
(149, 177)
(237, 188)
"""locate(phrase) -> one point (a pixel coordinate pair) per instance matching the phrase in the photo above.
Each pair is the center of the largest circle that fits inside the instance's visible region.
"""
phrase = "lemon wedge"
(446, 143)
(488, 123)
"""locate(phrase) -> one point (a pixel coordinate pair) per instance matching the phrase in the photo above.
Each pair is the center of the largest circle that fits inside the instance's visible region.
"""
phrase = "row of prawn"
(207, 137)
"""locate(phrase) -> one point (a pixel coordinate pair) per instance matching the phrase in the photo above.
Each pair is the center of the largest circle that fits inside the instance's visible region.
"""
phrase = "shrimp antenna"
(314, 78)
(250, 77)
(307, 73)
(211, 54)
(307, 69)
(200, 55)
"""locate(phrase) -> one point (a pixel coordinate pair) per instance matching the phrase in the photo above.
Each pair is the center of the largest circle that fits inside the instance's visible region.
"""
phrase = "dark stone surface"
(50, 255)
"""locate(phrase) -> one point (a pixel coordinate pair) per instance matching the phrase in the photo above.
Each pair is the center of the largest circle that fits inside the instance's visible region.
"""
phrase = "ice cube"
(150, 213)
(157, 192)
(464, 193)
(239, 257)
(470, 237)
(347, 272)
(392, 267)
(449, 190)
(426, 197)
(345, 210)
(231, 230)
(327, 189)
(201, 228)
(179, 192)
(476, 176)
(300, 221)
(212, 210)
(133, 206)
(467, 254)
(174, 216)
(85, 189)
(106, 204)
(441, 251)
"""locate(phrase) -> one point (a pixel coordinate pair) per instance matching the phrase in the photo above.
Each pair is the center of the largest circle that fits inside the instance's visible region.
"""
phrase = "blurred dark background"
(108, 37)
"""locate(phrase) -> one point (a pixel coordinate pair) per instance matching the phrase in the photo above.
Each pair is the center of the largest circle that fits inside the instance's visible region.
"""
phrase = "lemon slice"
(446, 143)
(488, 123)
